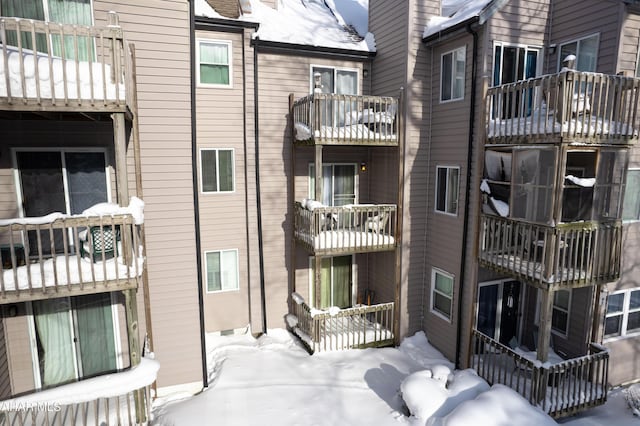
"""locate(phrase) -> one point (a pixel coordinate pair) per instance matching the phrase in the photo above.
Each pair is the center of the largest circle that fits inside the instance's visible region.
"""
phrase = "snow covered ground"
(272, 380)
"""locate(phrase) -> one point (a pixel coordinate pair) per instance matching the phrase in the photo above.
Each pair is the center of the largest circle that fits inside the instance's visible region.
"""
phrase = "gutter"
(196, 205)
(228, 25)
(465, 229)
(318, 51)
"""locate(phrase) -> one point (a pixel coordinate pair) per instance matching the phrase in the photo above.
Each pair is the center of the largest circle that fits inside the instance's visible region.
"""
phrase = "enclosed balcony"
(354, 228)
(60, 255)
(333, 119)
(570, 106)
(551, 214)
(59, 67)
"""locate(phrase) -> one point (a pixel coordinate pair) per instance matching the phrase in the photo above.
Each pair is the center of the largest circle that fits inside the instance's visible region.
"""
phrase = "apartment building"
(298, 171)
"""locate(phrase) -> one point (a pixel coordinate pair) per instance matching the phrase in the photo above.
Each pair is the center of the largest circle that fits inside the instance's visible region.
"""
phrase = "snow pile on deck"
(88, 81)
(341, 24)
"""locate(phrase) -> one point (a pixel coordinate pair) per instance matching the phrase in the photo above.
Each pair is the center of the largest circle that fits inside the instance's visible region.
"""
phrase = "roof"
(338, 24)
(460, 12)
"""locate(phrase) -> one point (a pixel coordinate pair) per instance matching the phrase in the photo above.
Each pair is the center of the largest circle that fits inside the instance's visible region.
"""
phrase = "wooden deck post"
(544, 325)
(318, 177)
(122, 177)
(317, 281)
(131, 310)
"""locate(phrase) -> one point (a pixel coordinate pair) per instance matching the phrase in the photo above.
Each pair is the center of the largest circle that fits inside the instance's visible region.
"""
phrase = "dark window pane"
(615, 303)
(442, 304)
(633, 322)
(226, 169)
(214, 282)
(634, 299)
(559, 321)
(441, 187)
(208, 169)
(447, 75)
(612, 326)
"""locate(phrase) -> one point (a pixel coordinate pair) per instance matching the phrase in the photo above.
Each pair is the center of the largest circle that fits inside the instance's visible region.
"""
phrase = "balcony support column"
(318, 170)
(544, 325)
(131, 312)
(122, 177)
(317, 281)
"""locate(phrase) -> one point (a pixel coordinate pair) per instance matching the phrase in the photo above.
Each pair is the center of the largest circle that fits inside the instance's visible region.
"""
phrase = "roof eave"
(450, 30)
(293, 48)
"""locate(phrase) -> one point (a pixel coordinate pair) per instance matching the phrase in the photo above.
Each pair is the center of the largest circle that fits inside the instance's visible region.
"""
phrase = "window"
(214, 64)
(631, 208)
(586, 51)
(447, 189)
(222, 270)
(623, 314)
(441, 293)
(62, 11)
(452, 75)
(512, 63)
(560, 311)
(338, 184)
(336, 276)
(338, 81)
(217, 172)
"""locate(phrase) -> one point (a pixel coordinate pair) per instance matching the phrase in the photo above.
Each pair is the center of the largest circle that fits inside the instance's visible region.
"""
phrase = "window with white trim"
(623, 314)
(214, 63)
(447, 189)
(560, 311)
(222, 270)
(441, 293)
(631, 206)
(452, 75)
(217, 170)
(586, 51)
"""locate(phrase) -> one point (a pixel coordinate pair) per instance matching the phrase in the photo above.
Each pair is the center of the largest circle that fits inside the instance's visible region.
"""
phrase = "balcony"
(357, 228)
(560, 389)
(360, 327)
(567, 255)
(72, 68)
(330, 119)
(569, 106)
(58, 256)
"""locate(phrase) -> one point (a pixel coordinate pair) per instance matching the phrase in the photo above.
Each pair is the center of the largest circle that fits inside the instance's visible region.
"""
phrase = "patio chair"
(99, 240)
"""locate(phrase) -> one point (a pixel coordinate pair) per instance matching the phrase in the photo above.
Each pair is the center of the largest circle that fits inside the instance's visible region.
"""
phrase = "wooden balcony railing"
(570, 105)
(46, 65)
(559, 389)
(340, 329)
(567, 255)
(330, 119)
(347, 229)
(67, 256)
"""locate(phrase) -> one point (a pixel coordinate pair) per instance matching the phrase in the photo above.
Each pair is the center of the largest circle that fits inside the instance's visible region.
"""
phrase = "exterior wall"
(573, 20)
(629, 43)
(221, 114)
(160, 32)
(279, 75)
(5, 371)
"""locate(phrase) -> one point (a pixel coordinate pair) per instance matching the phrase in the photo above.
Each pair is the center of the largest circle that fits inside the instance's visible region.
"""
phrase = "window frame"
(233, 171)
(446, 200)
(451, 89)
(578, 41)
(356, 180)
(432, 307)
(626, 310)
(626, 187)
(335, 69)
(229, 45)
(206, 271)
(567, 311)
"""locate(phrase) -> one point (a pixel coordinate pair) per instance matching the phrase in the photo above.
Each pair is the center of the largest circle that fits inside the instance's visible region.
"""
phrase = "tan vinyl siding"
(16, 329)
(572, 20)
(629, 44)
(279, 76)
(160, 32)
(5, 375)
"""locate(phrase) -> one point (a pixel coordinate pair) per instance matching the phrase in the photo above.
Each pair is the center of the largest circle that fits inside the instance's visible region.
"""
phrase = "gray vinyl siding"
(573, 20)
(629, 44)
(160, 32)
(5, 375)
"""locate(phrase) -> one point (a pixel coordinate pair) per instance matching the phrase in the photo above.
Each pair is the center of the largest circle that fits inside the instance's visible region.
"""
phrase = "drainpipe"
(465, 229)
(258, 198)
(196, 207)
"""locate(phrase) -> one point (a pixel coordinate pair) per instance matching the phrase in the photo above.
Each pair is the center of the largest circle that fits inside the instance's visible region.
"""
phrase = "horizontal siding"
(629, 44)
(160, 31)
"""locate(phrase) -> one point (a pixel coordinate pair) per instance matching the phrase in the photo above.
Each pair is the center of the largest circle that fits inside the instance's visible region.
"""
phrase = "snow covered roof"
(340, 24)
(459, 11)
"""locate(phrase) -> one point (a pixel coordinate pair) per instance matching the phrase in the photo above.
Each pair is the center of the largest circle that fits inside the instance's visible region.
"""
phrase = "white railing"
(326, 118)
(340, 329)
(346, 229)
(68, 255)
(47, 64)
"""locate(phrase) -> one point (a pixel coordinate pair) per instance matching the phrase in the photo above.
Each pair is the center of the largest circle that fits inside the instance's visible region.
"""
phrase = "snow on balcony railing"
(339, 329)
(560, 388)
(332, 119)
(60, 65)
(353, 228)
(114, 399)
(46, 256)
(583, 106)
